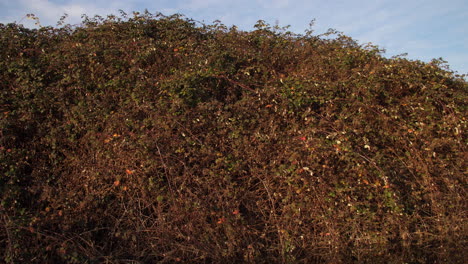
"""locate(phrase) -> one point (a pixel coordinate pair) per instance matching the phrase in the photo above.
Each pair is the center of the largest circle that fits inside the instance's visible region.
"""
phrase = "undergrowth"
(152, 138)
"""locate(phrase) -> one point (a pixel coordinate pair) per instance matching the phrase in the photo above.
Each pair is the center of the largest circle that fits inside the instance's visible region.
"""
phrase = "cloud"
(423, 29)
(200, 4)
(49, 12)
(276, 4)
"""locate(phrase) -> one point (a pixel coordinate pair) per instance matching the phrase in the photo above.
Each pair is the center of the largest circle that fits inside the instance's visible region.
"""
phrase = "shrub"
(154, 138)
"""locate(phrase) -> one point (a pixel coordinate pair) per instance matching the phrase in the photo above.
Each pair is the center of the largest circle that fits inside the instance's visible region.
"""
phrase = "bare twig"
(236, 83)
(6, 221)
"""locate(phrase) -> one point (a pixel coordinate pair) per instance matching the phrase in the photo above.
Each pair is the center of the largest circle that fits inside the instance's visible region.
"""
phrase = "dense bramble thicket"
(151, 139)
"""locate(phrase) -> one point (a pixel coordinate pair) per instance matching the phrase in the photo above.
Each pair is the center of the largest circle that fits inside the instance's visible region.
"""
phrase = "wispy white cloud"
(424, 30)
(49, 12)
(275, 4)
(201, 4)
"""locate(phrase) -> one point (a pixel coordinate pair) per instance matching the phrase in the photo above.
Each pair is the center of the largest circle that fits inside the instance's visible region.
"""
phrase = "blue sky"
(424, 29)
